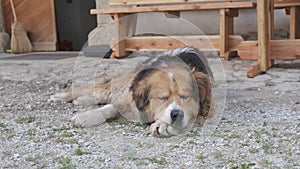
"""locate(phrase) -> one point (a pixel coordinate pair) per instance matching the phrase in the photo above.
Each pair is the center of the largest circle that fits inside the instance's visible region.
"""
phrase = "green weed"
(79, 152)
(192, 133)
(27, 119)
(31, 133)
(65, 163)
(244, 166)
(201, 157)
(160, 161)
(122, 121)
(3, 125)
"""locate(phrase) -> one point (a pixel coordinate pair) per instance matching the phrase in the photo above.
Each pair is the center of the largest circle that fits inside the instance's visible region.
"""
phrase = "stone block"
(4, 41)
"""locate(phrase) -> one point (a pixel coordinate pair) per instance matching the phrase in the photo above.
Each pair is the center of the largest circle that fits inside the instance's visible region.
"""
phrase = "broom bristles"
(20, 42)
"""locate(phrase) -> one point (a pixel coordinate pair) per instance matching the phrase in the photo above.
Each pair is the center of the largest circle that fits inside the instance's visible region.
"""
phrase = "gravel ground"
(259, 127)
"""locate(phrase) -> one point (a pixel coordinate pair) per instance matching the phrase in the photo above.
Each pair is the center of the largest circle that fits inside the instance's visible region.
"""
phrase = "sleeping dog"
(171, 91)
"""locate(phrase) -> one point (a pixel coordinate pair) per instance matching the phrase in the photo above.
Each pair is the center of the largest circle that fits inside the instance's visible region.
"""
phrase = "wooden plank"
(125, 26)
(223, 33)
(171, 42)
(281, 1)
(232, 12)
(286, 3)
(271, 19)
(263, 29)
(279, 50)
(119, 44)
(183, 7)
(226, 29)
(149, 2)
(295, 22)
(121, 32)
(253, 70)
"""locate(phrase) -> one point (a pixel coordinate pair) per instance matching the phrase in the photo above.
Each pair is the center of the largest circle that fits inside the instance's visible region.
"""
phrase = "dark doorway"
(74, 22)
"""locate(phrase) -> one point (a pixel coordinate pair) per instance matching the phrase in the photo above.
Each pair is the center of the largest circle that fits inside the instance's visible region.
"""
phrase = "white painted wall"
(206, 22)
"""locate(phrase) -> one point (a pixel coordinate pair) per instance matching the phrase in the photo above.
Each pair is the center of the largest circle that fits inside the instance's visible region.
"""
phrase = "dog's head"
(172, 98)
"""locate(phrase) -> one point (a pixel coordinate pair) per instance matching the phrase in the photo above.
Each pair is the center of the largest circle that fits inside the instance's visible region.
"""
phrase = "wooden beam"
(226, 29)
(125, 26)
(147, 2)
(119, 35)
(253, 70)
(171, 42)
(263, 29)
(279, 50)
(232, 12)
(265, 10)
(271, 19)
(182, 7)
(286, 3)
(295, 22)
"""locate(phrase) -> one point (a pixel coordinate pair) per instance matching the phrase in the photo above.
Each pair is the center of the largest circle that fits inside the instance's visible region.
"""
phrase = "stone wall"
(1, 17)
(4, 37)
(99, 35)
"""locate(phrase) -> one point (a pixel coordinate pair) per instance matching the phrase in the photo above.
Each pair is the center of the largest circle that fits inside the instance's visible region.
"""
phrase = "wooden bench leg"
(295, 22)
(226, 29)
(264, 29)
(125, 26)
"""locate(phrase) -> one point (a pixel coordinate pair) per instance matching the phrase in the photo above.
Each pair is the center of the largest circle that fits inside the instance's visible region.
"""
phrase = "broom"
(20, 43)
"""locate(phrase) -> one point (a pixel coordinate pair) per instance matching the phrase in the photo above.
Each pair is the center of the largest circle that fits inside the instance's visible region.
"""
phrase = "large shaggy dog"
(172, 92)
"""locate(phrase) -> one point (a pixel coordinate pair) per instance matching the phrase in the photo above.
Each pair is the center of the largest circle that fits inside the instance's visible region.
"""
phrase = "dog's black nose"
(176, 114)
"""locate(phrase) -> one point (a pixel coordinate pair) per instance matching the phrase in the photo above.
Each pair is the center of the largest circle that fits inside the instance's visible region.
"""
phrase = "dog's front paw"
(88, 119)
(162, 129)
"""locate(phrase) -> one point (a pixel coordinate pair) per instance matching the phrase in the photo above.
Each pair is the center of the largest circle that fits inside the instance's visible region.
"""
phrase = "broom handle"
(13, 10)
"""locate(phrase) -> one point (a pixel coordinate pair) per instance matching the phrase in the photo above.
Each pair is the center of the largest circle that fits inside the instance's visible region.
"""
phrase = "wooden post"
(264, 33)
(226, 29)
(264, 30)
(294, 22)
(271, 27)
(125, 26)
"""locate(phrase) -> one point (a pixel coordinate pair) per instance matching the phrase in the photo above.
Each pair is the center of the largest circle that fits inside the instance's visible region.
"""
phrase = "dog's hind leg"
(87, 95)
(95, 117)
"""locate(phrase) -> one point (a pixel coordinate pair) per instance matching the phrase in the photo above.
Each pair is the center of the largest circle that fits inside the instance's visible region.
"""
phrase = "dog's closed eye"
(184, 97)
(163, 98)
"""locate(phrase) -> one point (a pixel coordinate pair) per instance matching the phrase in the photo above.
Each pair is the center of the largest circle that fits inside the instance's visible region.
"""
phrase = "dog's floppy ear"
(204, 86)
(141, 89)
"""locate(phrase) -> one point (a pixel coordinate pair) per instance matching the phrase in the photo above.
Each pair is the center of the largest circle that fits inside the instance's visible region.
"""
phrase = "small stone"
(76, 146)
(4, 41)
(17, 155)
(262, 112)
(86, 144)
(28, 107)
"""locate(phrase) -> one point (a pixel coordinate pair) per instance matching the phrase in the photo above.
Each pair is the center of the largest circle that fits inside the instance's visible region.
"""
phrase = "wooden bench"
(293, 9)
(125, 27)
(266, 50)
